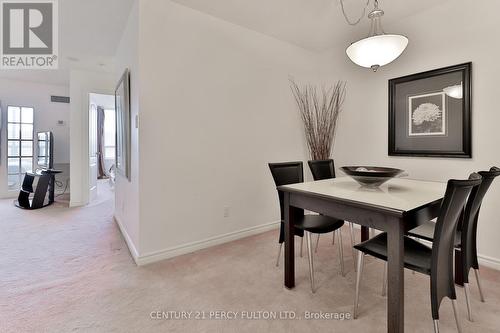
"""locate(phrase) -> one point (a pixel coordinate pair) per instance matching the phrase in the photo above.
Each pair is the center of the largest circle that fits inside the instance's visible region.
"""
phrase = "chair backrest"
(285, 174)
(322, 169)
(442, 279)
(469, 226)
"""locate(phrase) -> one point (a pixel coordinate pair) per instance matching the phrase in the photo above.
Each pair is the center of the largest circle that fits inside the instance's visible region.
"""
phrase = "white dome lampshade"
(379, 48)
(375, 51)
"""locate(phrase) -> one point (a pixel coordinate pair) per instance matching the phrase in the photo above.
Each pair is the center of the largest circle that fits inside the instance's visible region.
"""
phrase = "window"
(19, 144)
(109, 134)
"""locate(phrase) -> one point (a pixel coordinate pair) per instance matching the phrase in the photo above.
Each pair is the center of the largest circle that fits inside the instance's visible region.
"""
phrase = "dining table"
(394, 207)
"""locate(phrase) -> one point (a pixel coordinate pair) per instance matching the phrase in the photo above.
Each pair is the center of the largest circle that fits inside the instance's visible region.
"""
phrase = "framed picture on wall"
(122, 105)
(430, 113)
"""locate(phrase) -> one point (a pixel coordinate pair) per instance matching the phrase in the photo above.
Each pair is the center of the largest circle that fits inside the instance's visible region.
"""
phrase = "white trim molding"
(10, 194)
(175, 251)
(76, 203)
(131, 247)
(487, 261)
(490, 262)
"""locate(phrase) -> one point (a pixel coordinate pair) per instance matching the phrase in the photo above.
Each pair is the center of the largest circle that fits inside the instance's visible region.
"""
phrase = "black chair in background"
(292, 173)
(437, 262)
(322, 169)
(325, 169)
(465, 236)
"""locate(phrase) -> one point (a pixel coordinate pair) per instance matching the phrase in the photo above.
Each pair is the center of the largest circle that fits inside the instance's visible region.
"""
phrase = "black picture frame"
(395, 110)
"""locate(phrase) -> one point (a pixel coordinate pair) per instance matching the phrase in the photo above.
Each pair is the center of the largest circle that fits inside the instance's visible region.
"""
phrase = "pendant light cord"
(359, 19)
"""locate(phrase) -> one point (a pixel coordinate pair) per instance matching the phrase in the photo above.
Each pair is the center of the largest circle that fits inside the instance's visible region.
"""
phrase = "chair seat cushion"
(318, 224)
(426, 231)
(417, 256)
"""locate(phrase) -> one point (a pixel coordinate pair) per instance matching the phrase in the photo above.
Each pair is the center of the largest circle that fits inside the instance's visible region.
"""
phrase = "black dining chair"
(292, 173)
(465, 236)
(325, 169)
(437, 262)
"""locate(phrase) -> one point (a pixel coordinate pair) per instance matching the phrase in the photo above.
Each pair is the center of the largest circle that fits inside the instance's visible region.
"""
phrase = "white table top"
(397, 194)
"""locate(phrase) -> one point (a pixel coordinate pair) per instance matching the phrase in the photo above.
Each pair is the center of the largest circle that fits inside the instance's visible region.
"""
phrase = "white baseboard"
(9, 195)
(76, 203)
(152, 257)
(131, 247)
(489, 262)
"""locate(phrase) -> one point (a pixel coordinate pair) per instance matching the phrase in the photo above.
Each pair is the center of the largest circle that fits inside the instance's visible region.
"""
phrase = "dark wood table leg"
(289, 242)
(365, 233)
(459, 274)
(395, 294)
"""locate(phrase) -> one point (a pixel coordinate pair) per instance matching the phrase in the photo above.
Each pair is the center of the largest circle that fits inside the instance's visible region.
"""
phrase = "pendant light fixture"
(379, 48)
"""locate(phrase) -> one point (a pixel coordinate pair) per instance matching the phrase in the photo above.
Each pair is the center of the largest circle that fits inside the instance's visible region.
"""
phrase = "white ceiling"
(312, 24)
(89, 33)
(90, 30)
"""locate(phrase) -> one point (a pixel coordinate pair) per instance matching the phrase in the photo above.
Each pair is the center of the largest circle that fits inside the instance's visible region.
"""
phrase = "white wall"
(127, 192)
(453, 33)
(82, 83)
(215, 109)
(36, 95)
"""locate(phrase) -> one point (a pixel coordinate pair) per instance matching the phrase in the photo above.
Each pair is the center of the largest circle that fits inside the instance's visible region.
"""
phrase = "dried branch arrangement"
(319, 112)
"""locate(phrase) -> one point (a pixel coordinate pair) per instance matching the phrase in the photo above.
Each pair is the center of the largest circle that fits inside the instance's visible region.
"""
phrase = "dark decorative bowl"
(371, 176)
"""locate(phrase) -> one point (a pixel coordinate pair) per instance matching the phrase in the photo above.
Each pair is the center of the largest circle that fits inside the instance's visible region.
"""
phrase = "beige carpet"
(65, 270)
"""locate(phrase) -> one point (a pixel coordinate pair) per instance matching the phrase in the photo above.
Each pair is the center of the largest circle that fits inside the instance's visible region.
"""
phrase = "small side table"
(45, 184)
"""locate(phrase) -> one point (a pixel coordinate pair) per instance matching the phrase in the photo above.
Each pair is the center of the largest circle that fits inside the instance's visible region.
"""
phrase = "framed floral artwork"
(430, 113)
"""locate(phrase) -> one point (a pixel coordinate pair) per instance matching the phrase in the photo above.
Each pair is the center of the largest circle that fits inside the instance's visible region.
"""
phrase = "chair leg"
(341, 253)
(467, 301)
(481, 295)
(384, 280)
(301, 245)
(317, 243)
(455, 312)
(279, 254)
(333, 238)
(415, 239)
(351, 227)
(436, 325)
(359, 271)
(310, 257)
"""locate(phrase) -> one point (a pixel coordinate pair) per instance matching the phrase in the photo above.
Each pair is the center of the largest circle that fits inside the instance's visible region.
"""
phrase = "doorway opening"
(102, 143)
